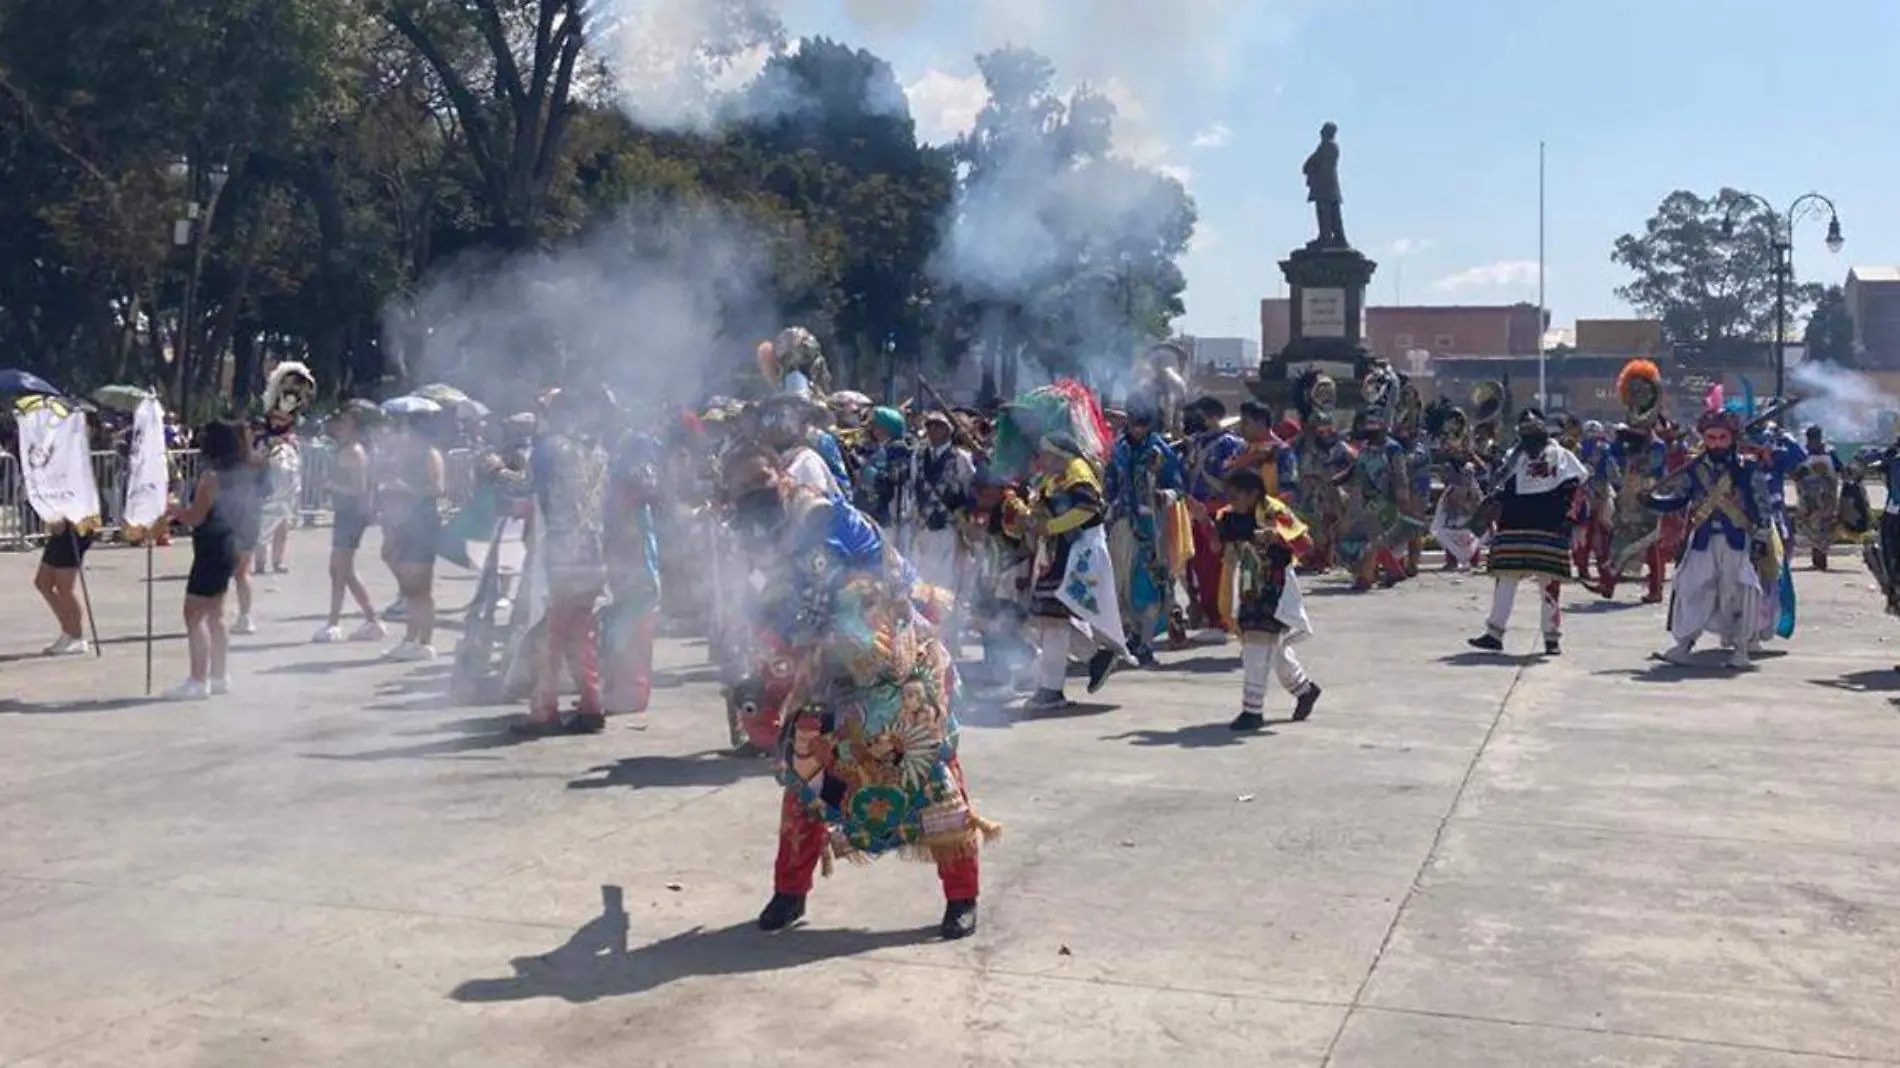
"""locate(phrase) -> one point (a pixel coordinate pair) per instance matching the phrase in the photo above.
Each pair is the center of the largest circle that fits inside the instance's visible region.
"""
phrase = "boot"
(1553, 647)
(1101, 665)
(1046, 701)
(1303, 704)
(959, 919)
(1820, 559)
(782, 911)
(1489, 642)
(1248, 721)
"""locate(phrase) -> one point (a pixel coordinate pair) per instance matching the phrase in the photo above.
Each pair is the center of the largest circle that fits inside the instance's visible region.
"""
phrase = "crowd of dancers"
(841, 558)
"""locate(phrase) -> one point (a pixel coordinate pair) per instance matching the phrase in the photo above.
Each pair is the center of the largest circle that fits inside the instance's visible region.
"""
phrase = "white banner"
(57, 456)
(147, 479)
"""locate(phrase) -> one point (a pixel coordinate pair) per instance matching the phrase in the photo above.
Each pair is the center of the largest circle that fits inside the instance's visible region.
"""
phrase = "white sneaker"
(188, 690)
(67, 646)
(370, 631)
(328, 635)
(244, 625)
(1738, 659)
(219, 685)
(1679, 655)
(398, 651)
(417, 653)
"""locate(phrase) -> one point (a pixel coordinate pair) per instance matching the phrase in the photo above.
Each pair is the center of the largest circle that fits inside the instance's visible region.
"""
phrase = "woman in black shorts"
(60, 560)
(225, 492)
(413, 482)
(350, 511)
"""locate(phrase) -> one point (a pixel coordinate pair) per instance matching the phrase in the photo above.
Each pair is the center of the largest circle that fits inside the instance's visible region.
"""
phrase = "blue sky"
(1441, 104)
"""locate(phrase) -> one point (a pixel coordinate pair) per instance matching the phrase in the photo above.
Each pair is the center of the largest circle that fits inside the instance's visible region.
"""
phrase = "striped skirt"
(1530, 554)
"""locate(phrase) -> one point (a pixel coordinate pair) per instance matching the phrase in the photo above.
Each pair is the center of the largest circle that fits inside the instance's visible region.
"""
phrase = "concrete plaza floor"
(1462, 860)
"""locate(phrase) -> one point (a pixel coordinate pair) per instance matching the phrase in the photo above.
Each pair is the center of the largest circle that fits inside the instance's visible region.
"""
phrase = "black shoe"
(782, 911)
(1144, 656)
(1101, 665)
(536, 728)
(1248, 721)
(1552, 647)
(959, 919)
(1303, 706)
(1045, 701)
(1489, 643)
(585, 723)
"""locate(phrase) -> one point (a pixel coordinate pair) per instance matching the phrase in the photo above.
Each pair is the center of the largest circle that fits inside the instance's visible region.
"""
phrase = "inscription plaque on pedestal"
(1323, 312)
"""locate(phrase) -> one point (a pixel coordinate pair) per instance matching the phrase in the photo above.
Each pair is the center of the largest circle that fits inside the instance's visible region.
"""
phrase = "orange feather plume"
(768, 362)
(1637, 369)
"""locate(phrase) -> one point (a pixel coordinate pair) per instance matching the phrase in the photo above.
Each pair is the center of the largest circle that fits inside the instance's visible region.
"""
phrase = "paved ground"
(1462, 860)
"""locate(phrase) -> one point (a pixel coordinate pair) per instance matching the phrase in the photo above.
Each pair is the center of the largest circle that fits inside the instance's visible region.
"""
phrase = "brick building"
(1873, 299)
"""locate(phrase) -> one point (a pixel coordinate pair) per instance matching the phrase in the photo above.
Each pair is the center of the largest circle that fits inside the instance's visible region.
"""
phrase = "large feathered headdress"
(1381, 391)
(1717, 414)
(1639, 387)
(795, 363)
(1314, 394)
(288, 389)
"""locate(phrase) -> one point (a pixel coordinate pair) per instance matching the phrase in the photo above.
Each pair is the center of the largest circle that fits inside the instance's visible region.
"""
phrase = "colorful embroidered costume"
(1260, 596)
(632, 550)
(1144, 479)
(1535, 496)
(869, 755)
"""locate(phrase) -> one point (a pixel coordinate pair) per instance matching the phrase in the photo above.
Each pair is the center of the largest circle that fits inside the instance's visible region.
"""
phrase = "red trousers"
(801, 843)
(1205, 569)
(1652, 572)
(629, 681)
(573, 642)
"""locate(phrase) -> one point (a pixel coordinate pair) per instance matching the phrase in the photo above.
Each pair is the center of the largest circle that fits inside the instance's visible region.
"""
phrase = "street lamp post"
(189, 232)
(1781, 243)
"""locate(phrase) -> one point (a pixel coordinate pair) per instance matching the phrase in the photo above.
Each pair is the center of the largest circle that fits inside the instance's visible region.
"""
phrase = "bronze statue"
(1322, 189)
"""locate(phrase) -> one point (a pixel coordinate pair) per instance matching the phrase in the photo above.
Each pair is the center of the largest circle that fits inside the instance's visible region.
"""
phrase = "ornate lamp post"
(1781, 240)
(203, 186)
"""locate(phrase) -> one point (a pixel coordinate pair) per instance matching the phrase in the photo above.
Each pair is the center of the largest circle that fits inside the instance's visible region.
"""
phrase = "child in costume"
(1260, 595)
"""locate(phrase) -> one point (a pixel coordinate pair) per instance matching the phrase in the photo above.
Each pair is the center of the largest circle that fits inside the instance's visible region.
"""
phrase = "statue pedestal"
(1327, 320)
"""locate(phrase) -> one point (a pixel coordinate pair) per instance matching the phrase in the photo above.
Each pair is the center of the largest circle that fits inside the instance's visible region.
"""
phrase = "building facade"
(1873, 300)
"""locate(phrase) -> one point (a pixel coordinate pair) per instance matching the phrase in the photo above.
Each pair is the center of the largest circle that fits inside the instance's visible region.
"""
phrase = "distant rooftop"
(1874, 274)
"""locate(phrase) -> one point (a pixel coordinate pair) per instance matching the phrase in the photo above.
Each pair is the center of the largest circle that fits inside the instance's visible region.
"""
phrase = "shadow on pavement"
(710, 768)
(595, 963)
(1876, 680)
(1200, 665)
(112, 704)
(1196, 736)
(322, 667)
(1474, 657)
(477, 735)
(1597, 608)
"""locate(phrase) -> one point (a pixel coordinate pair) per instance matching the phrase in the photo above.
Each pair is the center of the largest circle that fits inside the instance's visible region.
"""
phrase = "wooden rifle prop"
(959, 433)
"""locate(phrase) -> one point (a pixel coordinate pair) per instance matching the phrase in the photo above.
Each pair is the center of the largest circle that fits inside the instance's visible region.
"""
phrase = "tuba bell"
(1160, 379)
(1487, 403)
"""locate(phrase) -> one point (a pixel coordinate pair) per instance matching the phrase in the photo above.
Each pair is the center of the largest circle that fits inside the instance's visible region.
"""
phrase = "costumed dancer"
(1377, 490)
(286, 392)
(631, 545)
(1882, 553)
(1318, 499)
(868, 756)
(1533, 497)
(940, 483)
(1409, 431)
(1818, 496)
(1624, 529)
(1778, 456)
(1005, 554)
(1074, 580)
(1261, 539)
(1463, 494)
(794, 364)
(1728, 554)
(1210, 450)
(881, 491)
(569, 472)
(1144, 480)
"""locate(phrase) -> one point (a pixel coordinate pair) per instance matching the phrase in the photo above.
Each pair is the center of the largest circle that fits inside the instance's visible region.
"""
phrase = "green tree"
(1829, 334)
(1705, 279)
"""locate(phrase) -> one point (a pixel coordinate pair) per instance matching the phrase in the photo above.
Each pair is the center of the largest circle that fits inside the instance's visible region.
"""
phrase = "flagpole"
(1543, 395)
(151, 539)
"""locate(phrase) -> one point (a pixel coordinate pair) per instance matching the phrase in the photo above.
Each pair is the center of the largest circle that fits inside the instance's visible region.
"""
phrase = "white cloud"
(1215, 136)
(1181, 174)
(1406, 246)
(945, 105)
(1504, 273)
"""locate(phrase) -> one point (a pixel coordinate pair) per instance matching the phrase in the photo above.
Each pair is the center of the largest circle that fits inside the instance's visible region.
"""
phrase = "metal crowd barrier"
(21, 528)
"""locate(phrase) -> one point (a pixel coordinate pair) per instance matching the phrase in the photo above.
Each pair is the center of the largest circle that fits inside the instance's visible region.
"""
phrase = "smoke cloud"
(664, 305)
(1846, 404)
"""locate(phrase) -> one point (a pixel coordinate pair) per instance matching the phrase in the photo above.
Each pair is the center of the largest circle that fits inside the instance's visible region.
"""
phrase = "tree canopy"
(336, 160)
(1705, 267)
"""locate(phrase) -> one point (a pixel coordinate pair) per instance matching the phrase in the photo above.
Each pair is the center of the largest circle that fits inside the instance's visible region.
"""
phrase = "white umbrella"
(411, 405)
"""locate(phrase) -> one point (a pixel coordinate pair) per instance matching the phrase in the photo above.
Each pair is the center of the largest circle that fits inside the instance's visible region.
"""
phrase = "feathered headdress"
(1716, 413)
(1381, 391)
(1639, 387)
(289, 387)
(1314, 394)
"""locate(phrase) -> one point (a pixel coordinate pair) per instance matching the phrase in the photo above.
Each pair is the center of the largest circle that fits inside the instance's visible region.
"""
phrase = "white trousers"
(1262, 655)
(1550, 597)
(1717, 591)
(1061, 639)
